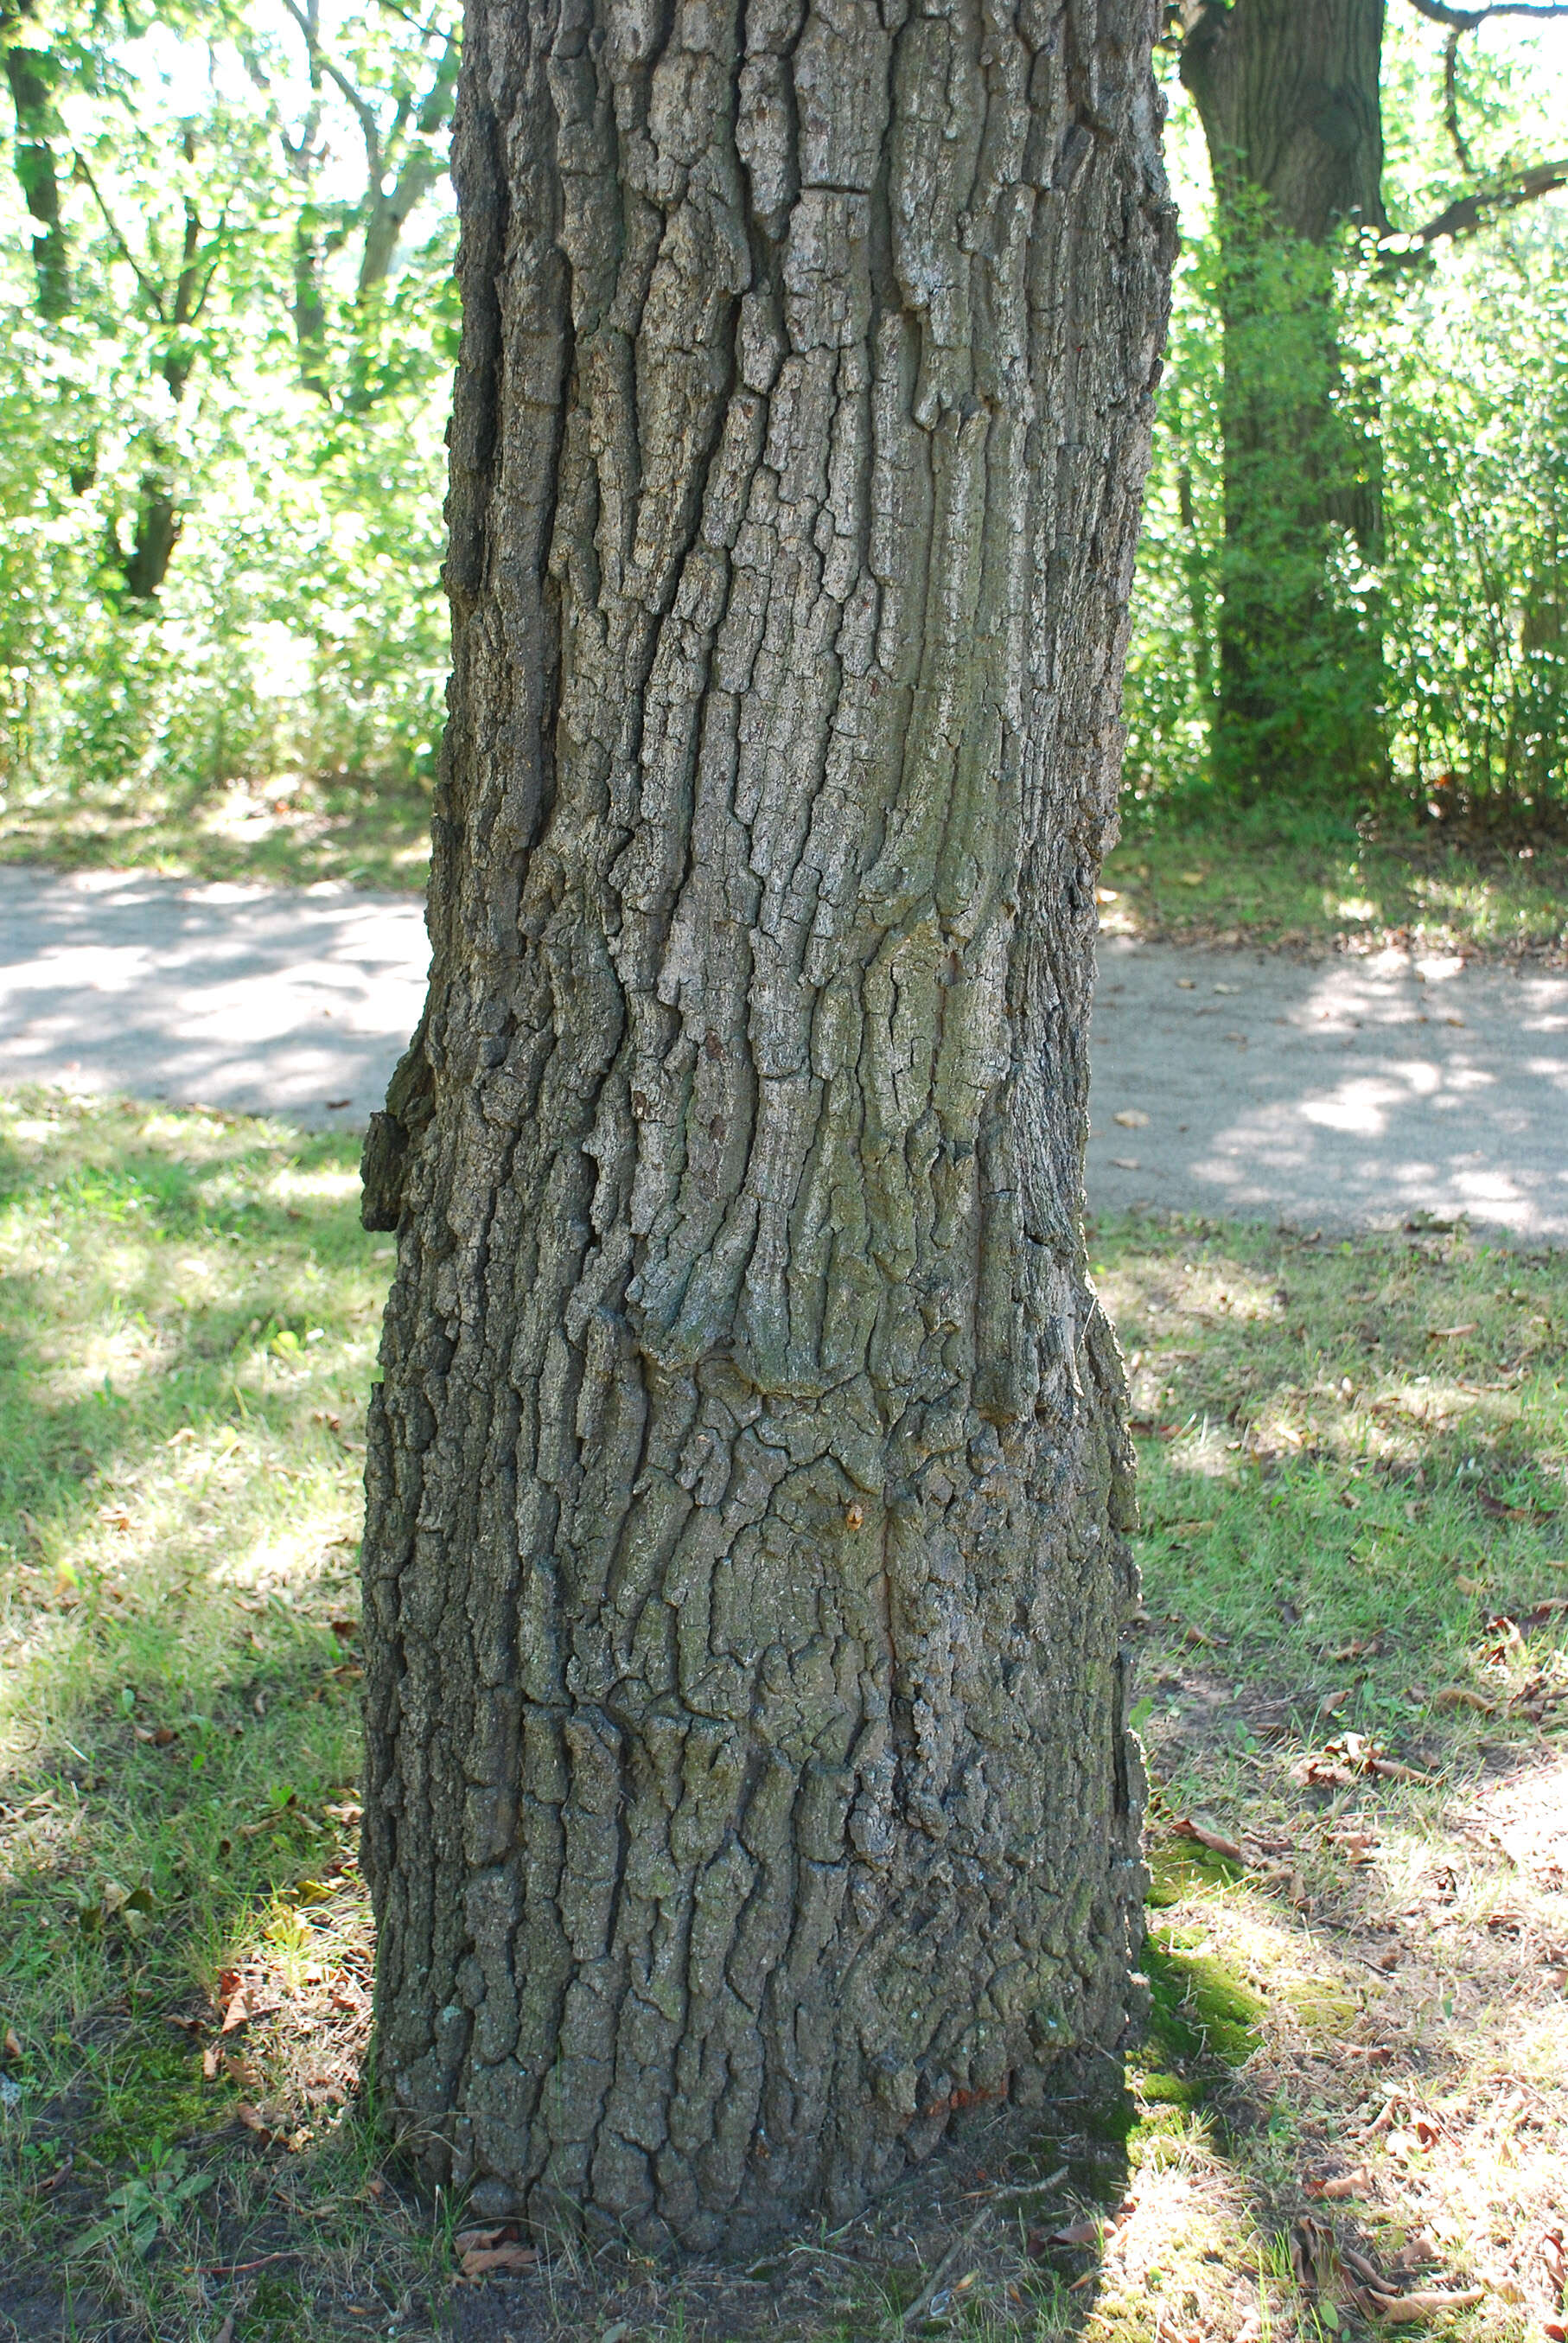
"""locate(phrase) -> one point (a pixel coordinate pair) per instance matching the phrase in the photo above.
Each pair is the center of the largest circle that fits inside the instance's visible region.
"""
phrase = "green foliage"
(1475, 360)
(147, 2204)
(1352, 569)
(220, 460)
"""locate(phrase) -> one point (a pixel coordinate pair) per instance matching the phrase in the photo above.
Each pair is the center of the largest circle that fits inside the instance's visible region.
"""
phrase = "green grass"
(291, 833)
(1202, 875)
(1313, 881)
(1345, 1502)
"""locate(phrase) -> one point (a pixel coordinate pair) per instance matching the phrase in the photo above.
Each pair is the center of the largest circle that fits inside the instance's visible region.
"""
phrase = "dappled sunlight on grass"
(1321, 884)
(1355, 1681)
(1352, 1686)
(186, 1343)
(296, 833)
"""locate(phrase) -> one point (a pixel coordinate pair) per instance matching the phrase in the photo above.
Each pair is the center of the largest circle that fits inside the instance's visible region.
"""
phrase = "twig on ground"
(933, 2286)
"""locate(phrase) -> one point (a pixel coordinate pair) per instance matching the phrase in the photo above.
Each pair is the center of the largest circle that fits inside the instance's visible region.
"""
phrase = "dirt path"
(1341, 1093)
(265, 1000)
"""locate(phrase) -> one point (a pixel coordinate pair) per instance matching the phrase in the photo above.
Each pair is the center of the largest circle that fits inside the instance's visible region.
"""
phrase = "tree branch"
(1466, 20)
(370, 129)
(1478, 210)
(1450, 102)
(154, 292)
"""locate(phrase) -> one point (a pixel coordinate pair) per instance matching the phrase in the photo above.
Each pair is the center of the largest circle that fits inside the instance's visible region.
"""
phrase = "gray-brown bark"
(749, 1783)
(1290, 93)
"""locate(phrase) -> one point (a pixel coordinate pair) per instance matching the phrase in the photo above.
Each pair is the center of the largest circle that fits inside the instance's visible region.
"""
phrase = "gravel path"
(1339, 1093)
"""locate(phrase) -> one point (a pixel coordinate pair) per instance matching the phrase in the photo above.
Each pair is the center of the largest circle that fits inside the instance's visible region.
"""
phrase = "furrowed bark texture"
(748, 1781)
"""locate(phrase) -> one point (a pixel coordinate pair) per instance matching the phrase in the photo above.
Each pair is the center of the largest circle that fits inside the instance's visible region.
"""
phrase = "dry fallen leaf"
(1131, 1118)
(481, 2261)
(468, 2241)
(12, 2043)
(1348, 1757)
(1313, 2252)
(1462, 1696)
(1185, 1827)
(1076, 2233)
(237, 2011)
(1345, 2183)
(1424, 2304)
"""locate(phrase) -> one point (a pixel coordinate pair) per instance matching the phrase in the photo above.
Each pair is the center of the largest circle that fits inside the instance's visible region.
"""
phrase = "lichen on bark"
(749, 1783)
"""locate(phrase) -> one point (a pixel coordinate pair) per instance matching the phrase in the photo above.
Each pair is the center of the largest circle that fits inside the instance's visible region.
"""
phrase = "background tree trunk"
(1290, 95)
(749, 1782)
(30, 74)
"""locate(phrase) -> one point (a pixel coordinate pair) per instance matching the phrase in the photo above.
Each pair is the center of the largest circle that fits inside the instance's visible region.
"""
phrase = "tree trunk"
(749, 1779)
(30, 74)
(1289, 94)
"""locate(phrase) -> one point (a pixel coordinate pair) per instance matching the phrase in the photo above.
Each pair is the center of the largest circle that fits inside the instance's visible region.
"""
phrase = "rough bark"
(1290, 95)
(748, 1781)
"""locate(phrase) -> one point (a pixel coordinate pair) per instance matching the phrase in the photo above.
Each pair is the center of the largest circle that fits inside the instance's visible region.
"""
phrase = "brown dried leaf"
(1462, 1696)
(1425, 2303)
(1185, 1827)
(11, 2045)
(480, 2262)
(1313, 2252)
(237, 2011)
(467, 2240)
(1076, 2233)
(1344, 2184)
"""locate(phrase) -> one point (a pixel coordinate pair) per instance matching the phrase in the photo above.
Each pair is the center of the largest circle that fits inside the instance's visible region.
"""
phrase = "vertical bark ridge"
(748, 1789)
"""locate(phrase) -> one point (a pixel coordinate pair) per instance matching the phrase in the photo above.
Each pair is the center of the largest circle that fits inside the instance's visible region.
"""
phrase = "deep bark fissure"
(745, 1544)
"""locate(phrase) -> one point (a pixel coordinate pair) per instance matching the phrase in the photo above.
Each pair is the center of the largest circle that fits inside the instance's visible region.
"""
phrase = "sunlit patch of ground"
(1323, 886)
(285, 828)
(1353, 1687)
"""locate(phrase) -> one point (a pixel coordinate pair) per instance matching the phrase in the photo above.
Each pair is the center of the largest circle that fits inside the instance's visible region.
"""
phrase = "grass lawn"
(291, 833)
(1315, 884)
(1354, 1691)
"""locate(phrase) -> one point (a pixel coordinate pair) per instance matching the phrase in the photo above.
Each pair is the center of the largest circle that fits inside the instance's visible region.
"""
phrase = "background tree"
(30, 72)
(749, 1783)
(1290, 95)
